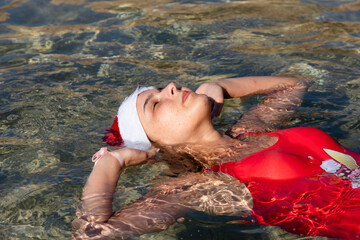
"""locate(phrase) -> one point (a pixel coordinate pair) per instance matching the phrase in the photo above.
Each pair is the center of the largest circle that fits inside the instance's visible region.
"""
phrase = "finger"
(201, 89)
(152, 152)
(141, 156)
(133, 156)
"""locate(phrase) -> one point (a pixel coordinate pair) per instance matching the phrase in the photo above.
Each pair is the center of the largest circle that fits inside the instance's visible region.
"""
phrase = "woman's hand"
(216, 94)
(135, 157)
(109, 165)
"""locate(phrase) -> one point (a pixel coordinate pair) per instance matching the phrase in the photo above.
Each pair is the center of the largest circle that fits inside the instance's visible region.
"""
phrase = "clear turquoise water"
(66, 65)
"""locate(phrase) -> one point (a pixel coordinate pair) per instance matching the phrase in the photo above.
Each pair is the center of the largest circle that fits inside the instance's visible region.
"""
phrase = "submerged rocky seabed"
(66, 65)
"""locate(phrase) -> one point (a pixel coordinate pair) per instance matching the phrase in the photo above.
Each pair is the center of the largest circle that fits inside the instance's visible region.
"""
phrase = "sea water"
(66, 65)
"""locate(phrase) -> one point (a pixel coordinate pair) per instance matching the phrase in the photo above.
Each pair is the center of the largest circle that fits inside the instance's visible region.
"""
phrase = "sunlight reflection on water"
(65, 66)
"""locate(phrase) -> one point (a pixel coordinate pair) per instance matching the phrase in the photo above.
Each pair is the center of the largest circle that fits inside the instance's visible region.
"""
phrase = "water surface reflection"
(65, 66)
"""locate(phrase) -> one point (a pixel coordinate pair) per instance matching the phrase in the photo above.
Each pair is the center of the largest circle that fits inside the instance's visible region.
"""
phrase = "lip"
(185, 95)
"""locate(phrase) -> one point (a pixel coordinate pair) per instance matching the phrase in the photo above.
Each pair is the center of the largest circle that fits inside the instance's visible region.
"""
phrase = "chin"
(201, 110)
(205, 101)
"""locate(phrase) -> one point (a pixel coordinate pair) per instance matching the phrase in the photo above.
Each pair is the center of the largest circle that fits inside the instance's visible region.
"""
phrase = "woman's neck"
(205, 135)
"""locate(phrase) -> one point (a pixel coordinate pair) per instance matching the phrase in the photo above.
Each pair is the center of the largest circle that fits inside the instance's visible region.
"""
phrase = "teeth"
(345, 159)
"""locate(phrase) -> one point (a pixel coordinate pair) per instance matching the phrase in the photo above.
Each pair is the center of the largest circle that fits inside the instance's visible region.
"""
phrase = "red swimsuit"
(305, 183)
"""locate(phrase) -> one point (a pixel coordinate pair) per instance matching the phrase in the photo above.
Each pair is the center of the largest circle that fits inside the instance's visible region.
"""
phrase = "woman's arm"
(246, 86)
(213, 193)
(98, 192)
(95, 208)
(95, 218)
(159, 208)
(284, 94)
(281, 101)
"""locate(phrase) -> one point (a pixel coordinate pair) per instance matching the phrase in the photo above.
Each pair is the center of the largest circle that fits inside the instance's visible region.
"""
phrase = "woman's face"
(173, 116)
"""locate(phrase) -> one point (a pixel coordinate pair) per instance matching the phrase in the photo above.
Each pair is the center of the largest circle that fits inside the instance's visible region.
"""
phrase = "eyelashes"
(156, 101)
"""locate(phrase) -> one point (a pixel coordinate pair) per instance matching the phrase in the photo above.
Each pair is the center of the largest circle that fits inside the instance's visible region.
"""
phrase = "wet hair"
(194, 158)
(179, 161)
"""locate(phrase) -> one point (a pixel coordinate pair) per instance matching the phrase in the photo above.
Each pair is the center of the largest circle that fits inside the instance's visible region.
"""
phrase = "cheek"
(172, 125)
(168, 118)
(163, 118)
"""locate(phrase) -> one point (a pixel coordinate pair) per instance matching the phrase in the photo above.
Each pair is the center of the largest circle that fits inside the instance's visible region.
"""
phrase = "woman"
(299, 179)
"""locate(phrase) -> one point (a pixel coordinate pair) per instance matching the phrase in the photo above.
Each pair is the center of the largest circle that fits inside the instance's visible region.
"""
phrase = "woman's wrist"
(118, 157)
(114, 154)
(124, 157)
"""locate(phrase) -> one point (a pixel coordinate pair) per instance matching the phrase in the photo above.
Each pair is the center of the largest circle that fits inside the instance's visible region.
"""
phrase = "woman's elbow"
(299, 82)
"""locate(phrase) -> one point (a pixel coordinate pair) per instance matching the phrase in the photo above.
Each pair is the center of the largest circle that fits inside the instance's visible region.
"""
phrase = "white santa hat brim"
(131, 130)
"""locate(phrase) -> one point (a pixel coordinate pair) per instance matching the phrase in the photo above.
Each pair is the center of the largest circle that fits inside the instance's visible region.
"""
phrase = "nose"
(170, 90)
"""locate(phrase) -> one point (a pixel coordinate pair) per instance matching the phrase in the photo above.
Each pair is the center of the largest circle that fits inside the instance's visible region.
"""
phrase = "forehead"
(143, 97)
(145, 94)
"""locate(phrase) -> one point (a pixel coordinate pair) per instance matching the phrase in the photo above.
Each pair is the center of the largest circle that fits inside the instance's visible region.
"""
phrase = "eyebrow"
(149, 97)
